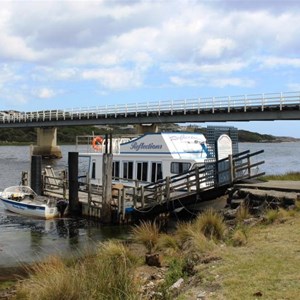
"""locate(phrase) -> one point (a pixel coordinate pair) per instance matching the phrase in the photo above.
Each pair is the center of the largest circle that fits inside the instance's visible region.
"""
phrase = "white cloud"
(211, 82)
(7, 75)
(134, 44)
(277, 62)
(237, 82)
(226, 67)
(216, 47)
(44, 93)
(293, 86)
(114, 78)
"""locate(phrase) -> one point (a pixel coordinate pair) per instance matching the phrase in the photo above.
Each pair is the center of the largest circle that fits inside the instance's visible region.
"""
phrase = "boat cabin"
(148, 158)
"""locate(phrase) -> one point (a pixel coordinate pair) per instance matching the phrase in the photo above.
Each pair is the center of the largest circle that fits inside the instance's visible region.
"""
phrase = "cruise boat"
(148, 158)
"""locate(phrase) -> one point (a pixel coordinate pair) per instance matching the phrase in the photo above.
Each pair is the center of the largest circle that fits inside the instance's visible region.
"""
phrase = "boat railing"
(98, 143)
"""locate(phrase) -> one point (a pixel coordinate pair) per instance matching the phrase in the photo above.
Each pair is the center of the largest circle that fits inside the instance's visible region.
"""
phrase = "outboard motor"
(61, 205)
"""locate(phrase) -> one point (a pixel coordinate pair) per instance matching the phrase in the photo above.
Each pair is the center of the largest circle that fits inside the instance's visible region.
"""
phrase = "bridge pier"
(145, 128)
(47, 143)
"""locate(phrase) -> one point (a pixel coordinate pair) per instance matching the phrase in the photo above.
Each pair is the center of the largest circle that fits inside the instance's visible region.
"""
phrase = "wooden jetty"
(137, 201)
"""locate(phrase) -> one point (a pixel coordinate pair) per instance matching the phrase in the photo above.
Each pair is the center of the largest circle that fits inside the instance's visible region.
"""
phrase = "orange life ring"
(97, 143)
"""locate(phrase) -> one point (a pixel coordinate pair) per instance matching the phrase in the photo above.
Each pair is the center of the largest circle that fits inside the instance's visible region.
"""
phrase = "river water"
(23, 240)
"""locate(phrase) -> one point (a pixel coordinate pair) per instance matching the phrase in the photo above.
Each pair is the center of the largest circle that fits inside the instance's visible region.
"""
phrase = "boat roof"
(175, 145)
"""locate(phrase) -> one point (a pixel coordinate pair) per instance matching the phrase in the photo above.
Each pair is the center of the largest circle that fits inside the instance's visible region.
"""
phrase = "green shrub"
(242, 213)
(271, 216)
(211, 224)
(239, 237)
(52, 279)
(147, 233)
(107, 275)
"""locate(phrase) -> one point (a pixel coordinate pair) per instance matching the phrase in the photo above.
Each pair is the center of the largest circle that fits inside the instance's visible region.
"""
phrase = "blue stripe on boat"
(23, 205)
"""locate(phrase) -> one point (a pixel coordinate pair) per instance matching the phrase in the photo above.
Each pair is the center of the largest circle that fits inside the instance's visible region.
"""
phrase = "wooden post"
(249, 166)
(197, 179)
(120, 193)
(231, 170)
(168, 186)
(142, 196)
(36, 174)
(106, 184)
(74, 205)
(123, 204)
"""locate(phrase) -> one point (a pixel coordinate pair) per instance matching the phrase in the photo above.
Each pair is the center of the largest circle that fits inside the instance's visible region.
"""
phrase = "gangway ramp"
(197, 185)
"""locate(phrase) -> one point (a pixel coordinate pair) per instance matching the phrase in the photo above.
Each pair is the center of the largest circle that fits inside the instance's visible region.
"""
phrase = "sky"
(72, 54)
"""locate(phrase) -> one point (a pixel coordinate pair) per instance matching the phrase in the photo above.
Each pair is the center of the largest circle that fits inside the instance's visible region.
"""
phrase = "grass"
(260, 261)
(293, 176)
(107, 275)
(211, 224)
(269, 265)
(147, 233)
(243, 213)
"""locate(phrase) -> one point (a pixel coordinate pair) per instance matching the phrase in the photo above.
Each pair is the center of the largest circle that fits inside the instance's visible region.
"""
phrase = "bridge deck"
(272, 106)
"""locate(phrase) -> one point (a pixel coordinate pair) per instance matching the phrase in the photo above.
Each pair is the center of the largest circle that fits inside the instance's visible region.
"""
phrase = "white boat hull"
(30, 210)
(28, 207)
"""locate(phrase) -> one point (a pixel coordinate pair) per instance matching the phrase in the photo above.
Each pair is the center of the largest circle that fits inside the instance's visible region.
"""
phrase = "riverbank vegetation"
(67, 135)
(207, 258)
(292, 176)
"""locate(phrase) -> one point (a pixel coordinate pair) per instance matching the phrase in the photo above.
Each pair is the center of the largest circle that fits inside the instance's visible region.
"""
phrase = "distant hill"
(67, 135)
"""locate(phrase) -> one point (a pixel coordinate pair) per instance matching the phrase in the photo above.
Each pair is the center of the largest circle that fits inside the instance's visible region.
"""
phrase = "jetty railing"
(237, 167)
(212, 175)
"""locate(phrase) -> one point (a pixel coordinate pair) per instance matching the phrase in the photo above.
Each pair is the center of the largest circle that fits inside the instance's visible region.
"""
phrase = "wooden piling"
(36, 174)
(74, 205)
(107, 183)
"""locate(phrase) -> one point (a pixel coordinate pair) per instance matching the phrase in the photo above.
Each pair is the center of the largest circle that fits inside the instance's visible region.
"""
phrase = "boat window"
(156, 171)
(142, 171)
(116, 169)
(94, 170)
(179, 167)
(84, 168)
(128, 169)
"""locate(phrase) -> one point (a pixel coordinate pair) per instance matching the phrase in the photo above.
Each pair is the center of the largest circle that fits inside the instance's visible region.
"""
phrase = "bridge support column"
(145, 128)
(47, 143)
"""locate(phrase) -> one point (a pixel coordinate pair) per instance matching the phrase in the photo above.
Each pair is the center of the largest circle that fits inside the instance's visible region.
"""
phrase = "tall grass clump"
(168, 243)
(184, 232)
(147, 233)
(211, 224)
(192, 241)
(52, 279)
(273, 215)
(242, 213)
(239, 236)
(106, 275)
(110, 273)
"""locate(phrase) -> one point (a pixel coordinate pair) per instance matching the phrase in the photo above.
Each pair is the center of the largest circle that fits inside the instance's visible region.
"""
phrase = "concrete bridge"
(255, 107)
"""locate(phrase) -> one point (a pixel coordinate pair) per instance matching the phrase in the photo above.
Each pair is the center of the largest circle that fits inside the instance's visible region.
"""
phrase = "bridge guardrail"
(198, 106)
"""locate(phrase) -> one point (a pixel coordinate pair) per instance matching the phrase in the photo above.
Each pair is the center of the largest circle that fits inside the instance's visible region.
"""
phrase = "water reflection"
(24, 240)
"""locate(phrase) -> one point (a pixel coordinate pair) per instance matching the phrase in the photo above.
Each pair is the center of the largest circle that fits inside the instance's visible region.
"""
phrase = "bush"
(211, 224)
(239, 237)
(273, 215)
(242, 213)
(106, 275)
(52, 279)
(110, 274)
(147, 233)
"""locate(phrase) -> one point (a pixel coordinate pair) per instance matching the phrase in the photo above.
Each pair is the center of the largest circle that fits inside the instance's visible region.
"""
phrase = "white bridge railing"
(242, 103)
